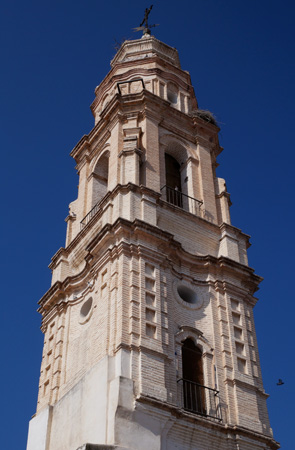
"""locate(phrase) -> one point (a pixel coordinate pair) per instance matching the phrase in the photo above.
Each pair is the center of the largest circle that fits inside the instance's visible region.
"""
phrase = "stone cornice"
(199, 121)
(144, 349)
(188, 135)
(101, 127)
(62, 252)
(112, 79)
(119, 188)
(207, 263)
(142, 47)
(247, 384)
(233, 290)
(148, 105)
(238, 431)
(170, 118)
(238, 231)
(129, 152)
(219, 266)
(224, 225)
(226, 195)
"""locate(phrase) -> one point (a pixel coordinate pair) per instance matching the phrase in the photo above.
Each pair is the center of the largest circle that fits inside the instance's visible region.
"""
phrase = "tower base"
(103, 409)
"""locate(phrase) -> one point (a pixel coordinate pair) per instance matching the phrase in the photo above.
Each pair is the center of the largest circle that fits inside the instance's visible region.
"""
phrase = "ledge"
(98, 447)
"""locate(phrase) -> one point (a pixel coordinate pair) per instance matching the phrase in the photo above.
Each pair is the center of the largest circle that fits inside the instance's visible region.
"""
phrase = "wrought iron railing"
(178, 198)
(172, 196)
(89, 216)
(199, 399)
(129, 84)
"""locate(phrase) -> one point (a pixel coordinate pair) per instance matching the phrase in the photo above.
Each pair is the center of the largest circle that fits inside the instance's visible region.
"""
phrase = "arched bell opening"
(100, 177)
(179, 176)
(173, 181)
(193, 378)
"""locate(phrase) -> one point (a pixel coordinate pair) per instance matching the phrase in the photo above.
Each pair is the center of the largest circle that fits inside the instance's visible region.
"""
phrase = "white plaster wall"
(38, 429)
(81, 415)
(140, 430)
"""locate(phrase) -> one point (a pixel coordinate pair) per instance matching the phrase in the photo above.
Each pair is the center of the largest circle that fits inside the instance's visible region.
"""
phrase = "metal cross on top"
(144, 26)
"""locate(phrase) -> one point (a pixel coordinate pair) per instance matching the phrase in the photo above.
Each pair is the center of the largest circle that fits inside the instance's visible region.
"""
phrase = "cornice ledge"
(229, 263)
(224, 194)
(224, 226)
(198, 121)
(247, 384)
(87, 140)
(128, 152)
(60, 287)
(136, 50)
(256, 435)
(189, 136)
(61, 252)
(109, 196)
(136, 225)
(55, 289)
(232, 289)
(79, 147)
(204, 141)
(221, 262)
(181, 413)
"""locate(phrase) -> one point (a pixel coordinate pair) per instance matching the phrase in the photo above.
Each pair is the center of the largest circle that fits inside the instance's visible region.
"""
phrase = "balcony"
(89, 216)
(199, 399)
(178, 198)
(172, 196)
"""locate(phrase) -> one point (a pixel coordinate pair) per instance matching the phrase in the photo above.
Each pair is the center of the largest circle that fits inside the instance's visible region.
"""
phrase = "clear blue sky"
(53, 54)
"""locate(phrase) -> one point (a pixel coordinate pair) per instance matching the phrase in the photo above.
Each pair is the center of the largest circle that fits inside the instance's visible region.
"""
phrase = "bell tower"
(149, 338)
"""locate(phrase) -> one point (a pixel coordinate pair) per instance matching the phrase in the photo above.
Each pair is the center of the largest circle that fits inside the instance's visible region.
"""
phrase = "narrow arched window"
(100, 179)
(193, 378)
(172, 94)
(173, 181)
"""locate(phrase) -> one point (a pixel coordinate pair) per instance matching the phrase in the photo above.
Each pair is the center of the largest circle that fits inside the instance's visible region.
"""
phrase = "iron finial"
(144, 26)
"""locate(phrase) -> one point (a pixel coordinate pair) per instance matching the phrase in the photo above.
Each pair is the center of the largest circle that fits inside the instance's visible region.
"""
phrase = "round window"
(187, 294)
(86, 310)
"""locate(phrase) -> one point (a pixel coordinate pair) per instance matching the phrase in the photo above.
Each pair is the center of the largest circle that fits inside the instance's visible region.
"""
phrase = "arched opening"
(173, 181)
(193, 378)
(100, 179)
(105, 101)
(172, 93)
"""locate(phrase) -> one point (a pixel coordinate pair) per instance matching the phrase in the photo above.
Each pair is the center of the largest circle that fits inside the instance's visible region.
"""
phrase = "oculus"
(86, 310)
(187, 296)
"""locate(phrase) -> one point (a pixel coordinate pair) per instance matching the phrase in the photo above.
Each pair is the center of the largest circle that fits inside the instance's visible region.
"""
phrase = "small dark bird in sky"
(280, 382)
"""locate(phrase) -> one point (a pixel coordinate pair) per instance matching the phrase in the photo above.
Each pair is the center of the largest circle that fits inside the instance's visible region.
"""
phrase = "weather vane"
(144, 26)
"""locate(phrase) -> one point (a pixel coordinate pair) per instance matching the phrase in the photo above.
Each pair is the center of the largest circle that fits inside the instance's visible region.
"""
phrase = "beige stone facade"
(148, 267)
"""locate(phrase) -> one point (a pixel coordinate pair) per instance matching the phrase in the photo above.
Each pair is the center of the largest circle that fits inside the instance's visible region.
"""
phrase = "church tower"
(149, 338)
